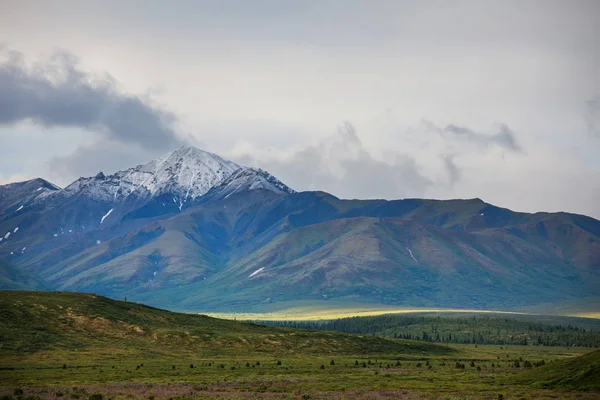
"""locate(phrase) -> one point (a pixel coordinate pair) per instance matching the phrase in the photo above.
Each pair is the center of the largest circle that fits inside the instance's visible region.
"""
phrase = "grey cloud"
(454, 173)
(341, 165)
(58, 93)
(106, 156)
(592, 116)
(505, 138)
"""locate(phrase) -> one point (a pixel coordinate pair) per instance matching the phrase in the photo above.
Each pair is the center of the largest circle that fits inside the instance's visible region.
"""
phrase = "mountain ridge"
(238, 237)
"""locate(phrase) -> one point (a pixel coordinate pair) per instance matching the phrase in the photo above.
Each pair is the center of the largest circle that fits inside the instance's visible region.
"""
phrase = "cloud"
(342, 166)
(58, 93)
(592, 116)
(106, 156)
(454, 173)
(504, 138)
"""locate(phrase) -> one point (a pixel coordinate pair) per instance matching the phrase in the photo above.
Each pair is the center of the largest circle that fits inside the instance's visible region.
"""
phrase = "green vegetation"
(34, 321)
(510, 330)
(582, 373)
(70, 346)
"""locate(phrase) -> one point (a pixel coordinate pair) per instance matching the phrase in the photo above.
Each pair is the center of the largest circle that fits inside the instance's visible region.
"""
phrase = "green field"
(81, 346)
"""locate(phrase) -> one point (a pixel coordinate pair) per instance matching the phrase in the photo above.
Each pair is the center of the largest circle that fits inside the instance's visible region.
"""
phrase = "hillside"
(579, 373)
(15, 278)
(54, 322)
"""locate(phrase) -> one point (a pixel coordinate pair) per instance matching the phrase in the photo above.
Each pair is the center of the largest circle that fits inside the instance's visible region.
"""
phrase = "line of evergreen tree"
(471, 330)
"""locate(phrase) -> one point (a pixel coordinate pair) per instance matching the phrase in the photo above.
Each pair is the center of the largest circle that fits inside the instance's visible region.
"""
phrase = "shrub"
(322, 366)
(332, 362)
(18, 392)
(96, 396)
(278, 362)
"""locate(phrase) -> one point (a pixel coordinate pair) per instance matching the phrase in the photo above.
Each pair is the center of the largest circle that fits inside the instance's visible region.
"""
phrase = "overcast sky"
(363, 99)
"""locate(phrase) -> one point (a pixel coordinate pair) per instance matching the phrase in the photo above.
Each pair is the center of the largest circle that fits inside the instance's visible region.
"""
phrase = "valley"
(439, 299)
(82, 346)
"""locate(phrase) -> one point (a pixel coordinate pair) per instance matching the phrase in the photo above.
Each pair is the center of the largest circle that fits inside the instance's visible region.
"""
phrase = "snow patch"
(411, 254)
(56, 234)
(38, 189)
(106, 215)
(258, 271)
(7, 235)
(19, 209)
(23, 251)
(16, 229)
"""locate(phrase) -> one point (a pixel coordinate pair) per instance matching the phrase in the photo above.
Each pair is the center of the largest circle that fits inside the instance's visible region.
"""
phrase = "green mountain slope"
(257, 248)
(390, 261)
(65, 322)
(16, 278)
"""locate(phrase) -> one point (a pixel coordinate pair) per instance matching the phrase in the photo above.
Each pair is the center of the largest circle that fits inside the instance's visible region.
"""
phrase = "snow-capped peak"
(245, 179)
(186, 173)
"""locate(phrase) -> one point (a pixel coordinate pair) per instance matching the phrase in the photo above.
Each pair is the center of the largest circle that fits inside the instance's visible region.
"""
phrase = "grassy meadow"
(85, 347)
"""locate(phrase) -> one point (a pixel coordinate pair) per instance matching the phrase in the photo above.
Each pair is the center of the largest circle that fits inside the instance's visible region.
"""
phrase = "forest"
(463, 330)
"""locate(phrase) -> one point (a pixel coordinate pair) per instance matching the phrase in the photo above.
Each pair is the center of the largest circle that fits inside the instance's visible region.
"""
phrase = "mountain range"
(193, 231)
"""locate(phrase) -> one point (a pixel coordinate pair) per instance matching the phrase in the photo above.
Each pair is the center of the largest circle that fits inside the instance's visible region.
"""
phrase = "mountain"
(192, 231)
(184, 175)
(14, 278)
(243, 180)
(14, 197)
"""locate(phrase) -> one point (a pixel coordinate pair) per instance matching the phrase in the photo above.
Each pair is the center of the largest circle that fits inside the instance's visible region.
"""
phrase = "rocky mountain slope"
(192, 231)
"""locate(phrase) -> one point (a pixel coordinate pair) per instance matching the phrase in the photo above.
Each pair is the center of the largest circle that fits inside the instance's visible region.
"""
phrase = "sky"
(362, 99)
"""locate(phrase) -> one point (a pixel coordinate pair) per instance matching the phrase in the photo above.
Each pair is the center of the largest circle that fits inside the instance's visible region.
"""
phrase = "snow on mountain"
(245, 179)
(16, 196)
(186, 173)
